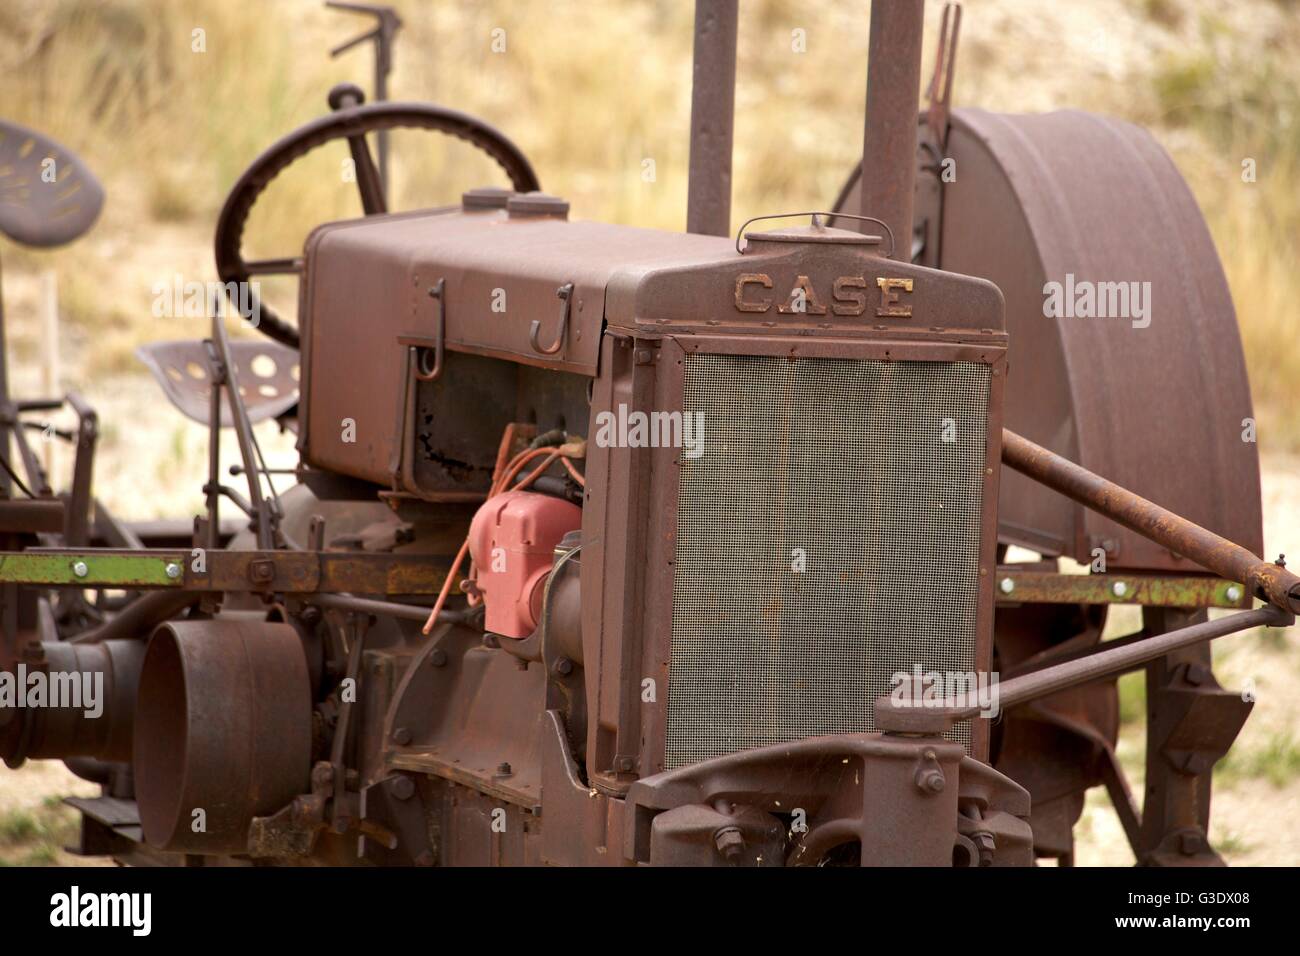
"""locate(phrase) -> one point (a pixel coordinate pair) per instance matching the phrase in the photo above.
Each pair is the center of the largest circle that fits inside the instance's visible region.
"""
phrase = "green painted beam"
(91, 569)
(1016, 586)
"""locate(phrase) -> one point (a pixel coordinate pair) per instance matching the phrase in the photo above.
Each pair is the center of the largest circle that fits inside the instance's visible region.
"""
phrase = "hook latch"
(565, 292)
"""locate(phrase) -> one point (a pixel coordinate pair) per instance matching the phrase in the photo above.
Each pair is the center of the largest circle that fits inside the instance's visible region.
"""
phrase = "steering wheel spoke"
(369, 184)
(289, 265)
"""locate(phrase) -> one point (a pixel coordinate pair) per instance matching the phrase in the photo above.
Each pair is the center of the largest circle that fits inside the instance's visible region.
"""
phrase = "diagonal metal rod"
(1269, 582)
(1107, 662)
(938, 716)
(264, 514)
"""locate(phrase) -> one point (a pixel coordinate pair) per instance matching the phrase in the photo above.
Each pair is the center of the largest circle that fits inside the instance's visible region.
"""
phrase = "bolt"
(438, 657)
(564, 666)
(322, 774)
(403, 787)
(730, 843)
(173, 570)
(503, 769)
(1119, 589)
(1190, 844)
(79, 569)
(1006, 585)
(931, 781)
(624, 765)
(401, 736)
(1233, 593)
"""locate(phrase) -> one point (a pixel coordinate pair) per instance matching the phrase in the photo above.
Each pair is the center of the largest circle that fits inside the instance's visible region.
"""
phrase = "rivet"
(1119, 589)
(173, 570)
(1233, 593)
(79, 569)
(1006, 585)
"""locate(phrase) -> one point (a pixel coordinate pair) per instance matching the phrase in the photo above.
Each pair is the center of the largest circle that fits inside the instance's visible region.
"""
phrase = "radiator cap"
(798, 235)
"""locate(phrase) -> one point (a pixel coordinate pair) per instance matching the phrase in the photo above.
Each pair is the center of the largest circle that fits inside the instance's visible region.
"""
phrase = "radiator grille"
(844, 459)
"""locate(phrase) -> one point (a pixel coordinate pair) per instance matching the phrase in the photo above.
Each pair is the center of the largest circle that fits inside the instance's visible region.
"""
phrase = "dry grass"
(591, 90)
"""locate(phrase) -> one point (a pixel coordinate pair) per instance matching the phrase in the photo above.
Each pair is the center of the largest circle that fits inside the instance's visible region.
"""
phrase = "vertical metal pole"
(713, 112)
(387, 29)
(5, 446)
(893, 104)
(50, 343)
(217, 376)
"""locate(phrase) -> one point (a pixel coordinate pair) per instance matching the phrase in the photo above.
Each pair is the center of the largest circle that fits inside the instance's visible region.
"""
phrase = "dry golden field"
(590, 90)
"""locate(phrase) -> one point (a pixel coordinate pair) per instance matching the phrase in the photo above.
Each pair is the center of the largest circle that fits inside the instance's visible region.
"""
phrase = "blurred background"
(167, 101)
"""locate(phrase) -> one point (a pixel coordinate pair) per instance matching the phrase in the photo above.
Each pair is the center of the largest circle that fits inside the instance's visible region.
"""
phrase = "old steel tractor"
(608, 545)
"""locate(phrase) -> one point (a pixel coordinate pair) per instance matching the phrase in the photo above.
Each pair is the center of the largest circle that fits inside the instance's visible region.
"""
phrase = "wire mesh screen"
(828, 537)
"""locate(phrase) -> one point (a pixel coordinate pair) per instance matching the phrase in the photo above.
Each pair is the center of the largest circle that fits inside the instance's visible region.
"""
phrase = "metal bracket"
(422, 346)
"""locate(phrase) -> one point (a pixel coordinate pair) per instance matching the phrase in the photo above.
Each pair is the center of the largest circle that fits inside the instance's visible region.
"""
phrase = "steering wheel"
(351, 120)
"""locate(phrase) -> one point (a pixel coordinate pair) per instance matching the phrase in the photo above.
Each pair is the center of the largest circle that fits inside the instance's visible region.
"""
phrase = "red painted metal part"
(512, 540)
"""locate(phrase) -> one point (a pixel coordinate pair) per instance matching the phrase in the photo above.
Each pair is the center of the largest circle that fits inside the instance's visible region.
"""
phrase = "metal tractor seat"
(47, 195)
(267, 373)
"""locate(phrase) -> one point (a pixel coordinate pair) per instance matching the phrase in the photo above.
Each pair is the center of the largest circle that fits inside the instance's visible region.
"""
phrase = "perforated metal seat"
(267, 373)
(47, 195)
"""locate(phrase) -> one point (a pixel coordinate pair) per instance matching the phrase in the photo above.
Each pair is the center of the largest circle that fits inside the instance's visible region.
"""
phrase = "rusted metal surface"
(889, 140)
(1268, 582)
(491, 748)
(1162, 409)
(885, 800)
(221, 735)
(1192, 721)
(1098, 390)
(289, 698)
(1017, 586)
(100, 728)
(628, 559)
(31, 516)
(713, 109)
(1060, 746)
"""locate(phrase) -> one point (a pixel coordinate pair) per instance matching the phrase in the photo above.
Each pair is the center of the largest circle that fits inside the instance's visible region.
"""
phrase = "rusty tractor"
(615, 546)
